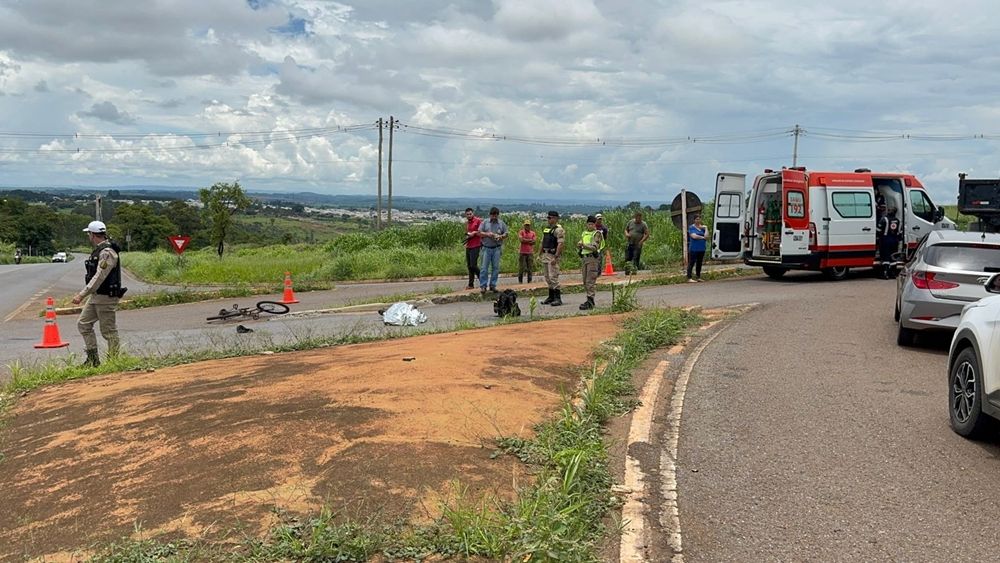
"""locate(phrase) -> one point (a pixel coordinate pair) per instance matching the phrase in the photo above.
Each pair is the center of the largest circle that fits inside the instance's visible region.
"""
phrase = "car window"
(973, 257)
(921, 205)
(852, 205)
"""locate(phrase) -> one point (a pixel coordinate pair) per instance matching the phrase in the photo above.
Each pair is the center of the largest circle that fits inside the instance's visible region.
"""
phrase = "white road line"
(634, 532)
(670, 517)
(27, 303)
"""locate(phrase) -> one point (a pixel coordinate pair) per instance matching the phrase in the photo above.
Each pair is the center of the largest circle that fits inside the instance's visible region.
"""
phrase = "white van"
(793, 219)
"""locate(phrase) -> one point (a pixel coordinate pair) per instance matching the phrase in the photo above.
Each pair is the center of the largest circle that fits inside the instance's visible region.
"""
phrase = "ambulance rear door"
(794, 216)
(729, 214)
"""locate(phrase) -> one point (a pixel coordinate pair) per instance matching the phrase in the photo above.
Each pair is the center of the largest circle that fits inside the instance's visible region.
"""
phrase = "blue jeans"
(491, 267)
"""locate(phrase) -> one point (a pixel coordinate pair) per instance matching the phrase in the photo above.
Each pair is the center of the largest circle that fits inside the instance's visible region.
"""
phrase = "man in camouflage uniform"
(553, 239)
(104, 288)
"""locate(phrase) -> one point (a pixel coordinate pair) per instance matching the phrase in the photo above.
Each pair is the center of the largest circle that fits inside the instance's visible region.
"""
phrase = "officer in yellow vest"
(591, 245)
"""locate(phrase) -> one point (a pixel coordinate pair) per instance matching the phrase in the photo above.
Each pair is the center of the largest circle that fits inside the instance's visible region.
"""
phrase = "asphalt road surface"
(808, 435)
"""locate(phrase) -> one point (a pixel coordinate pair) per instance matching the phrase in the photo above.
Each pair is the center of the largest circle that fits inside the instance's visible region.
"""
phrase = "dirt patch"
(219, 444)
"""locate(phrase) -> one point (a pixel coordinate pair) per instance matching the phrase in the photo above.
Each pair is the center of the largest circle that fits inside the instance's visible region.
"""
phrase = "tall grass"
(392, 254)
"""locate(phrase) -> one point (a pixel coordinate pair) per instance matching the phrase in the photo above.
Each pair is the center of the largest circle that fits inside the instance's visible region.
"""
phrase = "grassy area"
(393, 254)
(560, 516)
(961, 221)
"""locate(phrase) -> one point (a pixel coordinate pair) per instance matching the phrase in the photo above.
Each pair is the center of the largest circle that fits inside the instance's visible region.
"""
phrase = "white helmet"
(96, 227)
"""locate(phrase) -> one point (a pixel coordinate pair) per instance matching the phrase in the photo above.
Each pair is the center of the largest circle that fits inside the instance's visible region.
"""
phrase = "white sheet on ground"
(403, 314)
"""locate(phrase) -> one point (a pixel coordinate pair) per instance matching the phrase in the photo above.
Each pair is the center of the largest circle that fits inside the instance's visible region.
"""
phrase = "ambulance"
(795, 219)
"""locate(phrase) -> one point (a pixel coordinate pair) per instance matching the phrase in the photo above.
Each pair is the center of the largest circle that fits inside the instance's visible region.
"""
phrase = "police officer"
(553, 239)
(591, 245)
(888, 230)
(104, 288)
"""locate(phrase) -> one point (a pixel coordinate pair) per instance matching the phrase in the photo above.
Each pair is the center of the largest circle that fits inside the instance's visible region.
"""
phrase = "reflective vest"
(588, 239)
(549, 240)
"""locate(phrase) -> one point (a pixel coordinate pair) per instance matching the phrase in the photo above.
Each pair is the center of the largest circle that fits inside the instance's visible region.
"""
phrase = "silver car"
(946, 271)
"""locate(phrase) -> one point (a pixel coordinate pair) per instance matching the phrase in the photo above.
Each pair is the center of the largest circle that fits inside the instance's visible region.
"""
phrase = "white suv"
(973, 360)
(59, 257)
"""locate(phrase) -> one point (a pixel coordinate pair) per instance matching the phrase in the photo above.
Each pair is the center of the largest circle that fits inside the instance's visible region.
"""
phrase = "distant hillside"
(360, 202)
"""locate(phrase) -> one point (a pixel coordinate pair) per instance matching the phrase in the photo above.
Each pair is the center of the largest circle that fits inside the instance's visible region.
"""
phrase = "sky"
(569, 100)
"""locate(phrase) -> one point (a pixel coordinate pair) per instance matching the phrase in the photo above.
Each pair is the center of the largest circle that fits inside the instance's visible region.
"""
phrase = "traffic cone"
(608, 270)
(289, 294)
(50, 334)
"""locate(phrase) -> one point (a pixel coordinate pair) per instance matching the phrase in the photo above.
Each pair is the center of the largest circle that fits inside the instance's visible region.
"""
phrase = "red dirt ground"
(219, 444)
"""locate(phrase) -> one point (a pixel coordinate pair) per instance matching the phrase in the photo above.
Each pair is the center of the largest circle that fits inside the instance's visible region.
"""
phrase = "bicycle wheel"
(272, 307)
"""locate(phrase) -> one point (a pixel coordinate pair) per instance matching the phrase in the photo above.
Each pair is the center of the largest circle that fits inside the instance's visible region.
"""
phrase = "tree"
(142, 227)
(184, 216)
(222, 201)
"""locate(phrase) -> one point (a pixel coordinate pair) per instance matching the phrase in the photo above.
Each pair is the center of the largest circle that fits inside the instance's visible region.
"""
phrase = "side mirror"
(938, 214)
(993, 284)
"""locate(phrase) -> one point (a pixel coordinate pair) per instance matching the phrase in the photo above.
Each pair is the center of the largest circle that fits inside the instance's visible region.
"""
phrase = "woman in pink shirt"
(526, 260)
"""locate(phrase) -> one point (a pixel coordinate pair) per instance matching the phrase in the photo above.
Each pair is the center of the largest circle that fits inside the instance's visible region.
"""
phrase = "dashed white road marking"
(27, 303)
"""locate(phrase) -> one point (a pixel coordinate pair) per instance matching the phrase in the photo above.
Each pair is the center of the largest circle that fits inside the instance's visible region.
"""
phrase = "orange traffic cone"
(289, 294)
(50, 334)
(608, 270)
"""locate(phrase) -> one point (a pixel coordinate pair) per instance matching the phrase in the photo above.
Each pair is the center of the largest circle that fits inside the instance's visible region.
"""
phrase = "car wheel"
(774, 273)
(836, 274)
(965, 407)
(905, 336)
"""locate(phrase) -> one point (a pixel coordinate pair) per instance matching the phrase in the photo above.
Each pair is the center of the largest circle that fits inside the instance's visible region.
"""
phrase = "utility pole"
(97, 208)
(378, 220)
(795, 148)
(392, 125)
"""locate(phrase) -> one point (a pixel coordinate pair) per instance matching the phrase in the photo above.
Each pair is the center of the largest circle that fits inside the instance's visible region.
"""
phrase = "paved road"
(808, 435)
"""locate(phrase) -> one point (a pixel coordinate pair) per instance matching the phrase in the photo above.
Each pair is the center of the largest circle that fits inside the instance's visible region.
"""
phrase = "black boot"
(552, 295)
(520, 278)
(588, 304)
(557, 299)
(529, 278)
(93, 360)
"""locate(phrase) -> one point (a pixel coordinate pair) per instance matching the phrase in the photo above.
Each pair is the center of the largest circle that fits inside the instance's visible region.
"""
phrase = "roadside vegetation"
(562, 515)
(393, 254)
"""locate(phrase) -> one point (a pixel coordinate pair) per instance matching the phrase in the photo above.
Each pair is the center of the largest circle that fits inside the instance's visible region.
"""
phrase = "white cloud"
(586, 69)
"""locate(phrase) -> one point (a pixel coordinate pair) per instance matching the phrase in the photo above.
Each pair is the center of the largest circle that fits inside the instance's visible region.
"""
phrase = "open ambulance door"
(729, 214)
(794, 215)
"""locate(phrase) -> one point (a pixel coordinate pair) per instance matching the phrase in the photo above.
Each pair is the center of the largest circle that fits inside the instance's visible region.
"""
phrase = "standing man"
(604, 238)
(553, 239)
(636, 235)
(492, 232)
(697, 244)
(889, 230)
(104, 286)
(472, 245)
(526, 259)
(590, 244)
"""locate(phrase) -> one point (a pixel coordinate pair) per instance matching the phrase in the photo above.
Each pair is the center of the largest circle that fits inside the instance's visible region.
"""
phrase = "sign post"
(684, 226)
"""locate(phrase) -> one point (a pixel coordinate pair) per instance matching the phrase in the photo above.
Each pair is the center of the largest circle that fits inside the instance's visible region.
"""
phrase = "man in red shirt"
(472, 245)
(526, 260)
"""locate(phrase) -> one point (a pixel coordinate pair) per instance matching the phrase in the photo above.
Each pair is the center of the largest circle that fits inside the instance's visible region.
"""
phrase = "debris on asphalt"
(240, 329)
(409, 358)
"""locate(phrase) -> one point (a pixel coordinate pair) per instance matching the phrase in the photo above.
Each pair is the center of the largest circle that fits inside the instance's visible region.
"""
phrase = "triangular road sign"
(179, 243)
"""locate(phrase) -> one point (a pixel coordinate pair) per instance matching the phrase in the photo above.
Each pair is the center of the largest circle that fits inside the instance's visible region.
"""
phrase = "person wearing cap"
(492, 232)
(590, 244)
(103, 291)
(553, 239)
(526, 259)
(604, 238)
(636, 233)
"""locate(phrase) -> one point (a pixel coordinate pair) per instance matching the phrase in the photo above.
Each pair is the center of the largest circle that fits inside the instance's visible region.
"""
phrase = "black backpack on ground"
(506, 304)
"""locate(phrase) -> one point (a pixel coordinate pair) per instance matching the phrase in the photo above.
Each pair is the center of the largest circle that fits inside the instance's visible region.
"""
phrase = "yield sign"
(179, 243)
